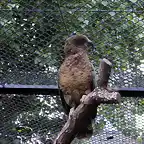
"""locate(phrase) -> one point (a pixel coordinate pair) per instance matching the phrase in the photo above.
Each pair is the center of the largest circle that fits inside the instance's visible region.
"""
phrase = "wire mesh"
(39, 118)
(31, 50)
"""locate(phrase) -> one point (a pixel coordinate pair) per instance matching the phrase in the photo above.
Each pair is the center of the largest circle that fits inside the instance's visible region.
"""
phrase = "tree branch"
(89, 103)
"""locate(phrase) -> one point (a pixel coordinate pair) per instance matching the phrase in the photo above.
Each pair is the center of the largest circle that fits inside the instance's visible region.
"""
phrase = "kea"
(77, 77)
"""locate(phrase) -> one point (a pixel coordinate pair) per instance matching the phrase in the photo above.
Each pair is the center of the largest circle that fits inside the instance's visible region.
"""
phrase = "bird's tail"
(86, 131)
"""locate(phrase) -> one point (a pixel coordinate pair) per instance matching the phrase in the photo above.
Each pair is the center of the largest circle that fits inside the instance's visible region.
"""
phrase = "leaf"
(105, 3)
(112, 13)
(141, 102)
(133, 1)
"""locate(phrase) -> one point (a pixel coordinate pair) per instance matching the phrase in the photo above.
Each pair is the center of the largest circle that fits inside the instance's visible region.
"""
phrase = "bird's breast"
(75, 73)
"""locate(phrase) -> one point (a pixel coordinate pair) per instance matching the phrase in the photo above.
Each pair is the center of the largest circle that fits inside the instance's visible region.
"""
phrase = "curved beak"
(90, 43)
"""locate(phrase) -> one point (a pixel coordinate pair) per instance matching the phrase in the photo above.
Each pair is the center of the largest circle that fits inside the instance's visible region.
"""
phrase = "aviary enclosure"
(32, 34)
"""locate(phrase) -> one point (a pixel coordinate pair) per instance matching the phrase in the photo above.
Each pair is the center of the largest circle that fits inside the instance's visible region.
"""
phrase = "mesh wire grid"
(31, 50)
(39, 118)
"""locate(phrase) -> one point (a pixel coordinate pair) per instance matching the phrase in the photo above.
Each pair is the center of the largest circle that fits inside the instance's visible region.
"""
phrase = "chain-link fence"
(32, 34)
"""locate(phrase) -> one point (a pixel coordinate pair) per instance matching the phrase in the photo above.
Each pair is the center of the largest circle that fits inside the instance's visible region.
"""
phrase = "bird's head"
(79, 40)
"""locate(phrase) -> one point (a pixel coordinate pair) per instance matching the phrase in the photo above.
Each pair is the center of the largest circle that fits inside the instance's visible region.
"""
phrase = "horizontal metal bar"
(53, 89)
(131, 92)
(28, 89)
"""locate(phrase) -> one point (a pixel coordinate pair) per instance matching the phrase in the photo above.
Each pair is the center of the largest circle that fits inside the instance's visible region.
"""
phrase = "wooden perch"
(88, 106)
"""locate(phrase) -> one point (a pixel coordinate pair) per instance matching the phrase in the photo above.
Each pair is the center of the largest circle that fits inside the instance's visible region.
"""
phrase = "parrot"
(76, 76)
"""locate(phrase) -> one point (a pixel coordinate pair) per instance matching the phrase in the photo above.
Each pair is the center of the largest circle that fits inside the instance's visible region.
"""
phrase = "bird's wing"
(94, 77)
(64, 104)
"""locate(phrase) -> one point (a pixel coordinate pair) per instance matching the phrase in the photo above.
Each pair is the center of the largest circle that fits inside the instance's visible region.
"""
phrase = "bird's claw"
(83, 99)
(71, 111)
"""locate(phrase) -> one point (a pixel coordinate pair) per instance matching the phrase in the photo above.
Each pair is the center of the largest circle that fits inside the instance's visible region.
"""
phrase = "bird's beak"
(90, 43)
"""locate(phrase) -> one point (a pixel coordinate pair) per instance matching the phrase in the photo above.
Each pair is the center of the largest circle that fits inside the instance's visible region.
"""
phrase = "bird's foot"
(83, 99)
